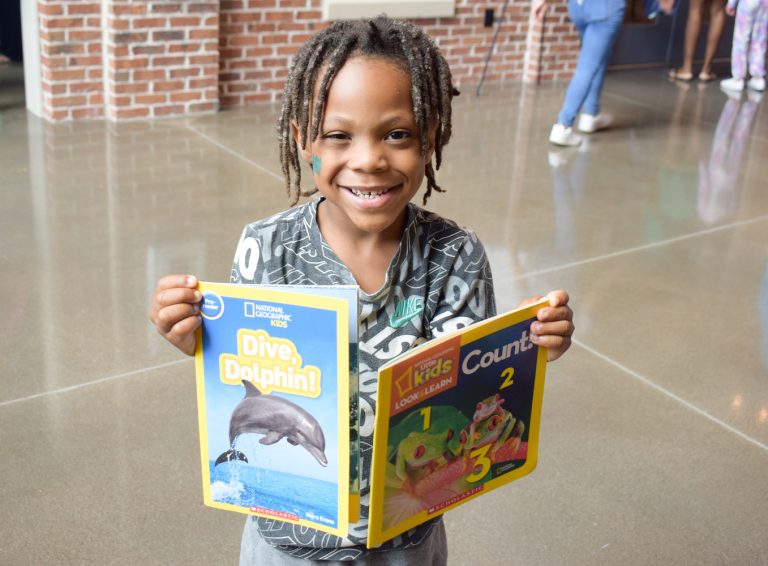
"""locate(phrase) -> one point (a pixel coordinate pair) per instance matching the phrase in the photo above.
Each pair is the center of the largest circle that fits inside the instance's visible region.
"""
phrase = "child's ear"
(306, 153)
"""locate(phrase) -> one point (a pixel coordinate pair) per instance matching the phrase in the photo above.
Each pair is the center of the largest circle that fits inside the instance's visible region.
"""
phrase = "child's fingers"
(182, 334)
(183, 328)
(556, 346)
(560, 328)
(176, 295)
(171, 281)
(551, 314)
(558, 298)
(169, 298)
(169, 318)
(553, 341)
(527, 302)
(171, 290)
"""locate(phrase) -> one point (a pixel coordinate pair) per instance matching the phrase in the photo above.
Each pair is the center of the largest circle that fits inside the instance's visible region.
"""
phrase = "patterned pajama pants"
(750, 36)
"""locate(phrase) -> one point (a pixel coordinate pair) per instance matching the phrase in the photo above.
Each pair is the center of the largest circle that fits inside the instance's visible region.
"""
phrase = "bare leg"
(716, 23)
(692, 26)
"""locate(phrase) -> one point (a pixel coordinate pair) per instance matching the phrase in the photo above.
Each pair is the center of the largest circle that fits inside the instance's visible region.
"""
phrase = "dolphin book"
(276, 374)
(456, 417)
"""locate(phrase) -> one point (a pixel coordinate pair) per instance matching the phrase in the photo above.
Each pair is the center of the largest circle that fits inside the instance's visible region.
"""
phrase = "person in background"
(750, 38)
(598, 23)
(692, 27)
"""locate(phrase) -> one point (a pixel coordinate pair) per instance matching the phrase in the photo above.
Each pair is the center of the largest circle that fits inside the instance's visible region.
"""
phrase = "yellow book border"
(341, 308)
(376, 535)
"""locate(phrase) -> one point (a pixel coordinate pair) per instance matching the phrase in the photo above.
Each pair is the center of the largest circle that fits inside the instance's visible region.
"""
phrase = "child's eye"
(399, 135)
(335, 136)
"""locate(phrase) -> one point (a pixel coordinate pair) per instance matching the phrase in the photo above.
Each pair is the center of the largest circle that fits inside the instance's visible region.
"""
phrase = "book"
(276, 375)
(456, 417)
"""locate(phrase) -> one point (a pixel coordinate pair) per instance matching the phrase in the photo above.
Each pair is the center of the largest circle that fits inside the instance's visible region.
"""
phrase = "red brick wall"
(180, 57)
(258, 38)
(70, 59)
(162, 57)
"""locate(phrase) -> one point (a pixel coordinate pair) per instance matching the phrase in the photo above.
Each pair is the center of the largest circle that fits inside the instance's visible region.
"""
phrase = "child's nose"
(367, 155)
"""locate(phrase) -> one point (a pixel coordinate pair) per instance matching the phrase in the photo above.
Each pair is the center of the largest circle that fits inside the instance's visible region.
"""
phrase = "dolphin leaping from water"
(275, 418)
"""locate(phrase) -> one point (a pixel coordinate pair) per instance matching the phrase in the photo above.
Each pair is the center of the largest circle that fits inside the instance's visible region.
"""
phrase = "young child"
(367, 105)
(750, 36)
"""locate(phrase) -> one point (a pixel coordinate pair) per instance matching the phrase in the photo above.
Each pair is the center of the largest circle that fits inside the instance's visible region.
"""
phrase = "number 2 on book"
(508, 373)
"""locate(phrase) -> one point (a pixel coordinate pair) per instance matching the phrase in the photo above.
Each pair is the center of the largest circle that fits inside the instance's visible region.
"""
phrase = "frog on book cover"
(430, 464)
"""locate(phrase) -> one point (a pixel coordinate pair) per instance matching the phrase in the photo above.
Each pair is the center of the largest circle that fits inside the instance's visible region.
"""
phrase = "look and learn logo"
(212, 306)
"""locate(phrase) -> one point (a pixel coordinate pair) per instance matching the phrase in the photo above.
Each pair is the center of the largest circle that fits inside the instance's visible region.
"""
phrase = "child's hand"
(554, 326)
(730, 10)
(539, 9)
(176, 310)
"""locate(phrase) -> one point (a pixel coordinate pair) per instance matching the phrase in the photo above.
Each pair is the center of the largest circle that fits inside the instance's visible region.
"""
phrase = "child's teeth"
(366, 195)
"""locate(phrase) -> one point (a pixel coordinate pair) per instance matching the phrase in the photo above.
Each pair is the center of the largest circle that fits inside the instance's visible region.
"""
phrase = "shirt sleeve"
(467, 295)
(248, 264)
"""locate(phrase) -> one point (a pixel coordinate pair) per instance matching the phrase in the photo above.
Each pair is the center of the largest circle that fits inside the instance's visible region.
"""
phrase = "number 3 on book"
(507, 373)
(480, 465)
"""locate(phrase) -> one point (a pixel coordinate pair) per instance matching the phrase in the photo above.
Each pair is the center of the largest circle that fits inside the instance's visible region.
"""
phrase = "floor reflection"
(719, 176)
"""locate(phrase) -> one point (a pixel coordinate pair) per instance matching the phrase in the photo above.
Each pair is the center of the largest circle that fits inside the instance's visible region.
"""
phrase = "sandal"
(677, 75)
(707, 77)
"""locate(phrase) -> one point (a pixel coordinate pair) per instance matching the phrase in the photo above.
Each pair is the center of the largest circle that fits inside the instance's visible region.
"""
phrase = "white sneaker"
(755, 96)
(563, 135)
(589, 123)
(732, 94)
(756, 83)
(735, 85)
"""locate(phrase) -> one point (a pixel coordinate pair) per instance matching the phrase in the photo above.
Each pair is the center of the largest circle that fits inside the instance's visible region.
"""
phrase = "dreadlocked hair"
(395, 40)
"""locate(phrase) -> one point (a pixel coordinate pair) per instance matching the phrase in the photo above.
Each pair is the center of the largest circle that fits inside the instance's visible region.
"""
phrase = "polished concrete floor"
(654, 441)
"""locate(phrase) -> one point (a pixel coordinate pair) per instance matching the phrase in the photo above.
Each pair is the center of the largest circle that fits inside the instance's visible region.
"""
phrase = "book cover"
(273, 380)
(456, 418)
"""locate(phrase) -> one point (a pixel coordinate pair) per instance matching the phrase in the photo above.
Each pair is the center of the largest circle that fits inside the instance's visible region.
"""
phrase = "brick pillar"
(552, 45)
(162, 58)
(71, 59)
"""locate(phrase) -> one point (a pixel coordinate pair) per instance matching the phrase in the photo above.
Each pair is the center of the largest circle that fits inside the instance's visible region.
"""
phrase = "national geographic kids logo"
(405, 310)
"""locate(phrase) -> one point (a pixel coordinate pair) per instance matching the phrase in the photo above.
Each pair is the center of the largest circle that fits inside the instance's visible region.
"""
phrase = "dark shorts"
(433, 551)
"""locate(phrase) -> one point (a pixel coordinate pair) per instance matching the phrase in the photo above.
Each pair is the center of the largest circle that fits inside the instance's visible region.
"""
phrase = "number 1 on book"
(426, 413)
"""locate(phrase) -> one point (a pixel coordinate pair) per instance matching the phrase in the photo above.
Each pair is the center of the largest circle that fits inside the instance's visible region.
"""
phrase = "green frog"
(491, 423)
(420, 453)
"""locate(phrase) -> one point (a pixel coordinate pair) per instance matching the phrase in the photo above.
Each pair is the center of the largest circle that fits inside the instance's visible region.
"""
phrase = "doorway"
(659, 42)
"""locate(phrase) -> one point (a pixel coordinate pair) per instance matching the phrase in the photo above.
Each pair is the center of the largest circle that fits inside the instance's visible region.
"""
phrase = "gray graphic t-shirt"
(438, 281)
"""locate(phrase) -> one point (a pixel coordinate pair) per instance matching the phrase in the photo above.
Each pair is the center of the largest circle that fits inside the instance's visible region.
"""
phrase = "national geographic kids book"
(276, 370)
(456, 418)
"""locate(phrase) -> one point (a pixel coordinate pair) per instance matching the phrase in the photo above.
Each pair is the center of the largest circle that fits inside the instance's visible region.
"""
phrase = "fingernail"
(191, 281)
(536, 327)
(198, 296)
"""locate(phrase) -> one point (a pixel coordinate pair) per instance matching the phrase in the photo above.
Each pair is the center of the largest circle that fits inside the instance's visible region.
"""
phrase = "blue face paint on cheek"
(317, 164)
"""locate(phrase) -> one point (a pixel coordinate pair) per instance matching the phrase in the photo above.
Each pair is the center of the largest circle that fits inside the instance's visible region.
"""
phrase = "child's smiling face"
(367, 161)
